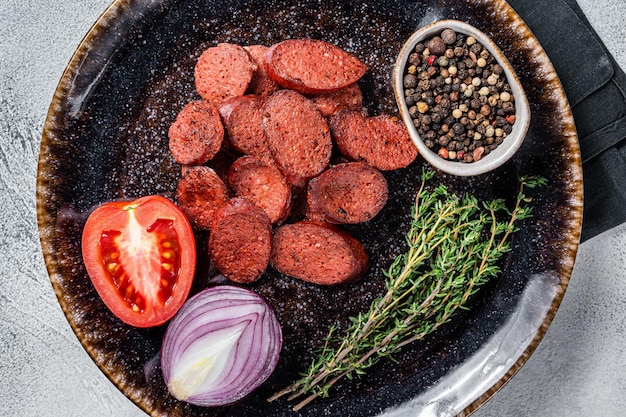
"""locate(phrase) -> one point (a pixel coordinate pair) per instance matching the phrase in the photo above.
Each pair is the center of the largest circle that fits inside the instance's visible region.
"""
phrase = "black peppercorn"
(415, 59)
(430, 135)
(508, 107)
(458, 128)
(476, 48)
(410, 81)
(448, 36)
(436, 46)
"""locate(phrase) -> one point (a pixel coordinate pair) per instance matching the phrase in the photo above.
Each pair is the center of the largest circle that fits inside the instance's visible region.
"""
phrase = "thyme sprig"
(454, 244)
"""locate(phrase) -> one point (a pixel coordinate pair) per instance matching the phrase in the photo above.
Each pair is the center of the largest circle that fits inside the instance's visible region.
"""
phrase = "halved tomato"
(141, 258)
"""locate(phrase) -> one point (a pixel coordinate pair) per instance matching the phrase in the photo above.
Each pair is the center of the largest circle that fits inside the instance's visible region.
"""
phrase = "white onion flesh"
(223, 343)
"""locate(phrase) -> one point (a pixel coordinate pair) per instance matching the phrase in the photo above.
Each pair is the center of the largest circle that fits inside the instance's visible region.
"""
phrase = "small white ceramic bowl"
(511, 142)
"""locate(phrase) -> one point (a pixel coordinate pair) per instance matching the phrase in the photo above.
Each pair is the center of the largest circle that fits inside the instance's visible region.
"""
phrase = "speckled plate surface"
(105, 138)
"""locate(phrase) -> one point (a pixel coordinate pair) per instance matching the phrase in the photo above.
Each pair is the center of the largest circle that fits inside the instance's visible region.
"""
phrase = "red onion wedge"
(223, 343)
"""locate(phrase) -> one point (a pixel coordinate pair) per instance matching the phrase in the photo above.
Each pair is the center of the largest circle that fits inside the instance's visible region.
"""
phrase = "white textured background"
(579, 369)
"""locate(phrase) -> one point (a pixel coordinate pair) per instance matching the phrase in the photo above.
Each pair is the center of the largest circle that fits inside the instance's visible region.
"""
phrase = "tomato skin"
(141, 257)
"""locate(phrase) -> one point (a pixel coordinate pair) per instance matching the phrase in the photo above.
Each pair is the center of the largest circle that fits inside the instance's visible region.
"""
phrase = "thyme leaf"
(454, 244)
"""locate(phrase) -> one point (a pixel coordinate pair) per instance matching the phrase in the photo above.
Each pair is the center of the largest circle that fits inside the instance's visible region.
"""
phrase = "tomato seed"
(112, 267)
(140, 303)
(128, 291)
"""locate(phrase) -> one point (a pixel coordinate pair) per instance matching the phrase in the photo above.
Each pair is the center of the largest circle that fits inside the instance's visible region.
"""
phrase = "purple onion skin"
(215, 371)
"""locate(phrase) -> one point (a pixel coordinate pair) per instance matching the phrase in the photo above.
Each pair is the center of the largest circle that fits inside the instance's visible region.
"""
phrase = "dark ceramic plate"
(105, 138)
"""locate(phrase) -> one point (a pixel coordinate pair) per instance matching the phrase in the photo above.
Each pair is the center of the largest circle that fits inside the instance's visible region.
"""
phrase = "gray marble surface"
(579, 369)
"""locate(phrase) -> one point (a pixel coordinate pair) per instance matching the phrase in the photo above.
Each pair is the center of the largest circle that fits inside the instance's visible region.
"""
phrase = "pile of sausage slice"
(278, 153)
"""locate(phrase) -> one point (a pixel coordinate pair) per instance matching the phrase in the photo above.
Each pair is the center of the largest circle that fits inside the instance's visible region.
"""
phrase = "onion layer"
(223, 343)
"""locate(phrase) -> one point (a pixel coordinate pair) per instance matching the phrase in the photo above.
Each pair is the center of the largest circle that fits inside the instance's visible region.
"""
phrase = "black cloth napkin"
(596, 90)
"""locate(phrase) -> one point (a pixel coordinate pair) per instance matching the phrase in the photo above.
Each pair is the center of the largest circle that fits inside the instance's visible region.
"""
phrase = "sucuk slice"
(197, 133)
(241, 240)
(347, 97)
(199, 194)
(261, 83)
(312, 66)
(347, 193)
(223, 71)
(297, 135)
(381, 141)
(319, 253)
(263, 184)
(242, 118)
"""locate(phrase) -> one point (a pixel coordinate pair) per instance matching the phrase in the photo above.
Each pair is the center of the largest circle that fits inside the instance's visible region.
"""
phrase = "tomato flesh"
(161, 256)
(140, 257)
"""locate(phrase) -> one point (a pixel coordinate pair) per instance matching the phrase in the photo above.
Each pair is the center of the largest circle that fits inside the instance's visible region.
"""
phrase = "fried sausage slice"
(240, 241)
(347, 97)
(263, 184)
(200, 192)
(312, 66)
(242, 118)
(297, 135)
(319, 253)
(261, 83)
(347, 193)
(223, 71)
(381, 141)
(197, 133)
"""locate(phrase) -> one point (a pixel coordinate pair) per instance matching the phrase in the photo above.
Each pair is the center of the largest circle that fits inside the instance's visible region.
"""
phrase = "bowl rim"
(513, 141)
